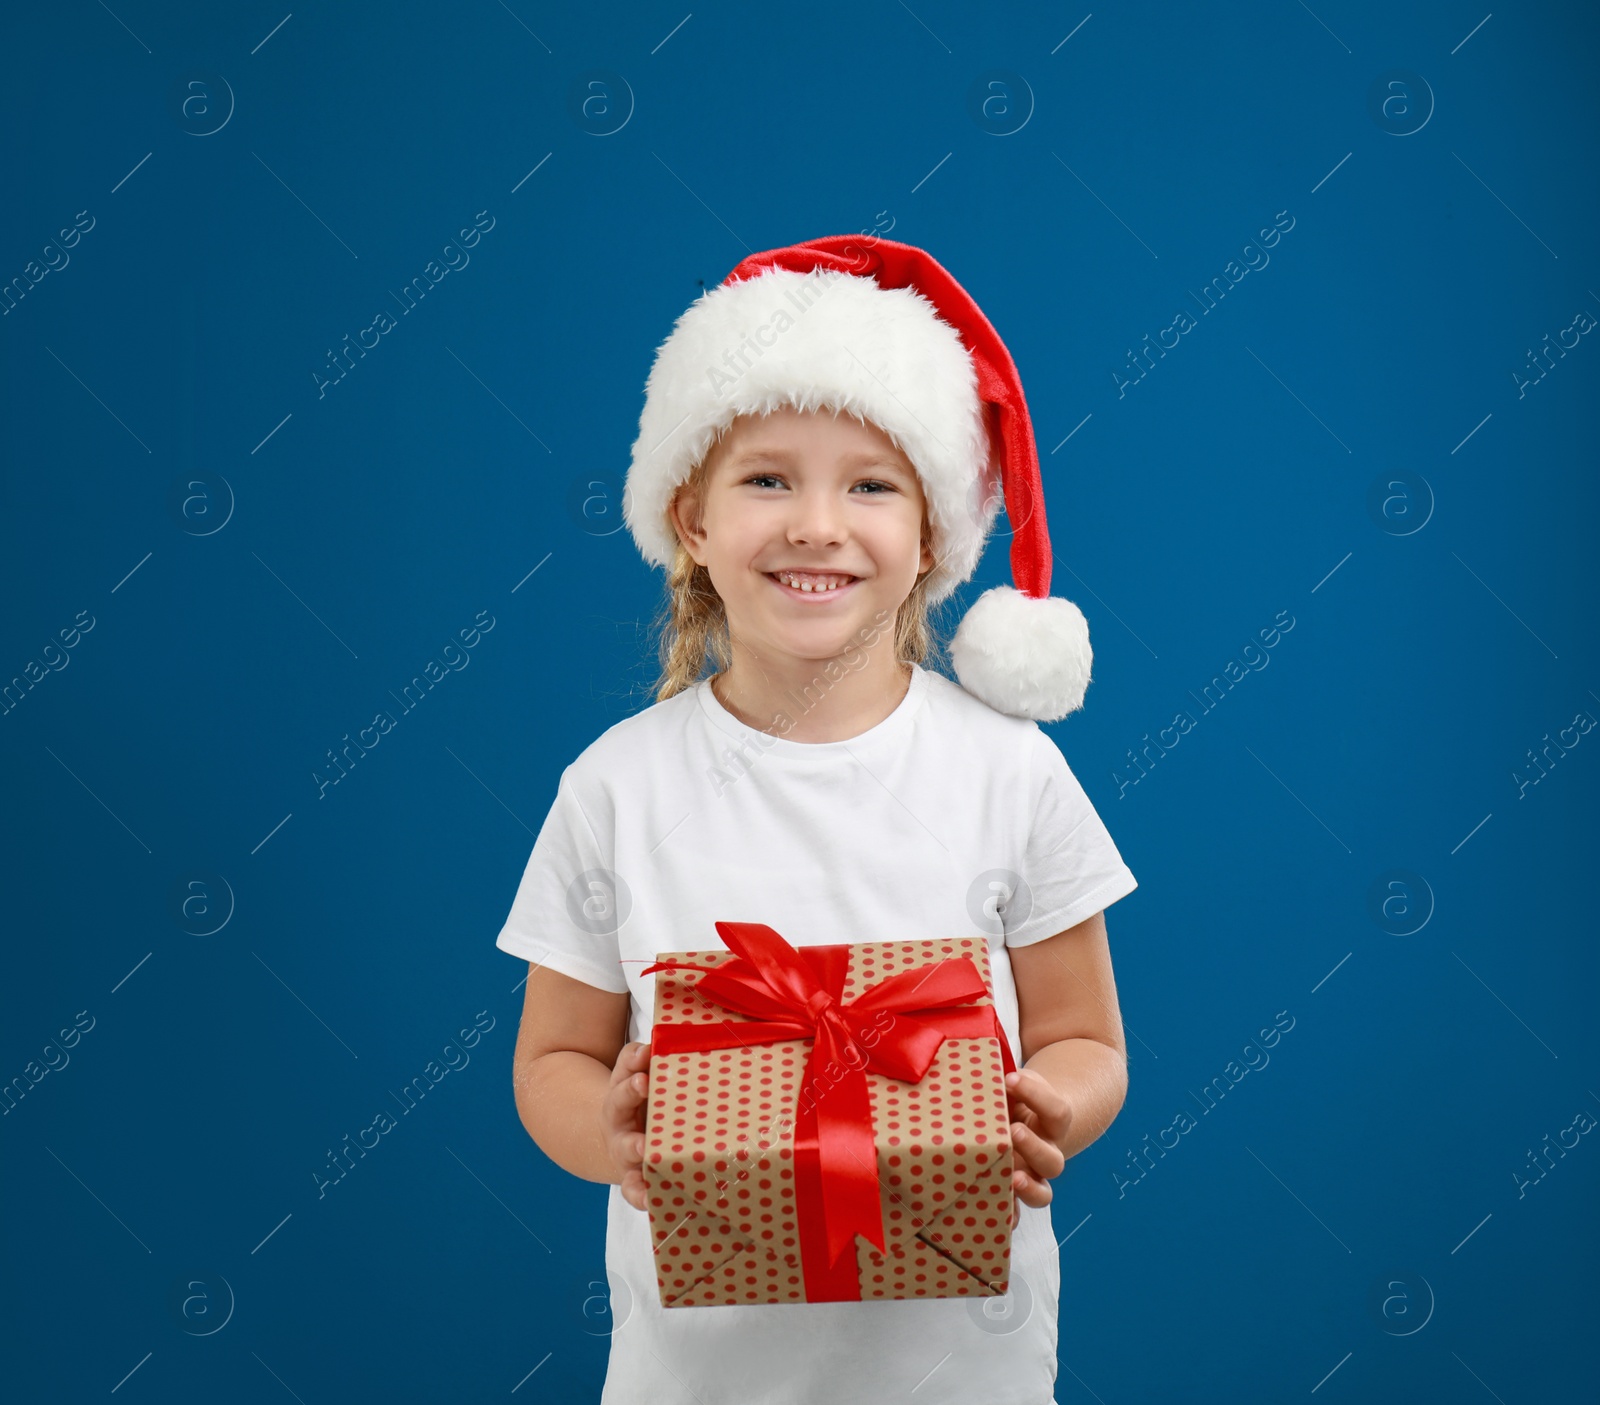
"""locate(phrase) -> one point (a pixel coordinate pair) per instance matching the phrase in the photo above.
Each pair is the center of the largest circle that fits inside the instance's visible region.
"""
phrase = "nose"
(816, 518)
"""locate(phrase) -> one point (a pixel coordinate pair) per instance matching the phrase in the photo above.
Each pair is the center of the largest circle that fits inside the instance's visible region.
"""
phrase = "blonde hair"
(692, 625)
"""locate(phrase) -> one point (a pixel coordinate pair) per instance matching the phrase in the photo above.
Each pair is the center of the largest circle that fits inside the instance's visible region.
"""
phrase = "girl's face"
(809, 524)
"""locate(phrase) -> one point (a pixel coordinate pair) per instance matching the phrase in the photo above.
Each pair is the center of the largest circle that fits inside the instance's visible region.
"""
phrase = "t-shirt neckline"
(774, 745)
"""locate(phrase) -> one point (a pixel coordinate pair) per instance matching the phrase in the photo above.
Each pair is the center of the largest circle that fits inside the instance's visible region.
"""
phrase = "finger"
(634, 1190)
(630, 1060)
(624, 1100)
(1020, 1111)
(1032, 1089)
(628, 1151)
(1044, 1159)
(1052, 1113)
(627, 1155)
(633, 1058)
(1031, 1191)
(1030, 1086)
(629, 1091)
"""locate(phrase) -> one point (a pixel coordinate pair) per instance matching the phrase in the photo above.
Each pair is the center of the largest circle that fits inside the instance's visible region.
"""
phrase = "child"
(823, 448)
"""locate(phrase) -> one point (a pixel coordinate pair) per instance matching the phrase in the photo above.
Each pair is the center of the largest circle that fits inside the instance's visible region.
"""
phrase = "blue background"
(1344, 839)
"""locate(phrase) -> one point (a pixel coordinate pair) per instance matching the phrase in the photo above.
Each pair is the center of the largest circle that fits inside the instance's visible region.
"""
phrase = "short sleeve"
(565, 914)
(1071, 867)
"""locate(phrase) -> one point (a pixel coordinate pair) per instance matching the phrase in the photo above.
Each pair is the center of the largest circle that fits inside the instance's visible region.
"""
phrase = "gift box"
(827, 1124)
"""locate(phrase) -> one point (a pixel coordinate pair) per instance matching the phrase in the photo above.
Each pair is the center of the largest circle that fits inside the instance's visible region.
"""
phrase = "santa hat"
(878, 329)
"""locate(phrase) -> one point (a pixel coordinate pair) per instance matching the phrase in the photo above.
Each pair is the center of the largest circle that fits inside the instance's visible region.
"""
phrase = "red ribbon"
(792, 994)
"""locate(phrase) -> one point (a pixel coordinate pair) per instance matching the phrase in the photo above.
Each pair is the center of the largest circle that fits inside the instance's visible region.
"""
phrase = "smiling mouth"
(812, 583)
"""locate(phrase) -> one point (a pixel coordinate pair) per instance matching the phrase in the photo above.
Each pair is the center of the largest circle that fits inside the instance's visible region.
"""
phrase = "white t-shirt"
(682, 816)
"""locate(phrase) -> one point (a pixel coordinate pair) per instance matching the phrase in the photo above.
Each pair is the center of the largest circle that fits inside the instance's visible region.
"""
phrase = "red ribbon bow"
(792, 994)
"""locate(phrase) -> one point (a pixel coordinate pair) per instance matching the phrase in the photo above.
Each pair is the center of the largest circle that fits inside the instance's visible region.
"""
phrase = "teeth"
(794, 582)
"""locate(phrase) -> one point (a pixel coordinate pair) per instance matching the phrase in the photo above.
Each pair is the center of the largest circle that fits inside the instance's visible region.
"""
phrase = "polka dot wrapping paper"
(721, 1168)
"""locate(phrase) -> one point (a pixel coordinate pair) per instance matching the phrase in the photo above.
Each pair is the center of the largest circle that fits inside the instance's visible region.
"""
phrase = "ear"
(928, 558)
(684, 511)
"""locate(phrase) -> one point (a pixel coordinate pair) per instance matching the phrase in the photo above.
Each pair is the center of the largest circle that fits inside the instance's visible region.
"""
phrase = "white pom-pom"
(1024, 656)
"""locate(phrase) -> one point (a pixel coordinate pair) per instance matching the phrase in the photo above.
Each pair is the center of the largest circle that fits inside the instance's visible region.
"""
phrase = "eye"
(876, 486)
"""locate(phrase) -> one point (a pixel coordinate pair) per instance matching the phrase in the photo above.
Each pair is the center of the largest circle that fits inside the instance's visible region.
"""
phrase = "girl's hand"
(1040, 1118)
(622, 1118)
